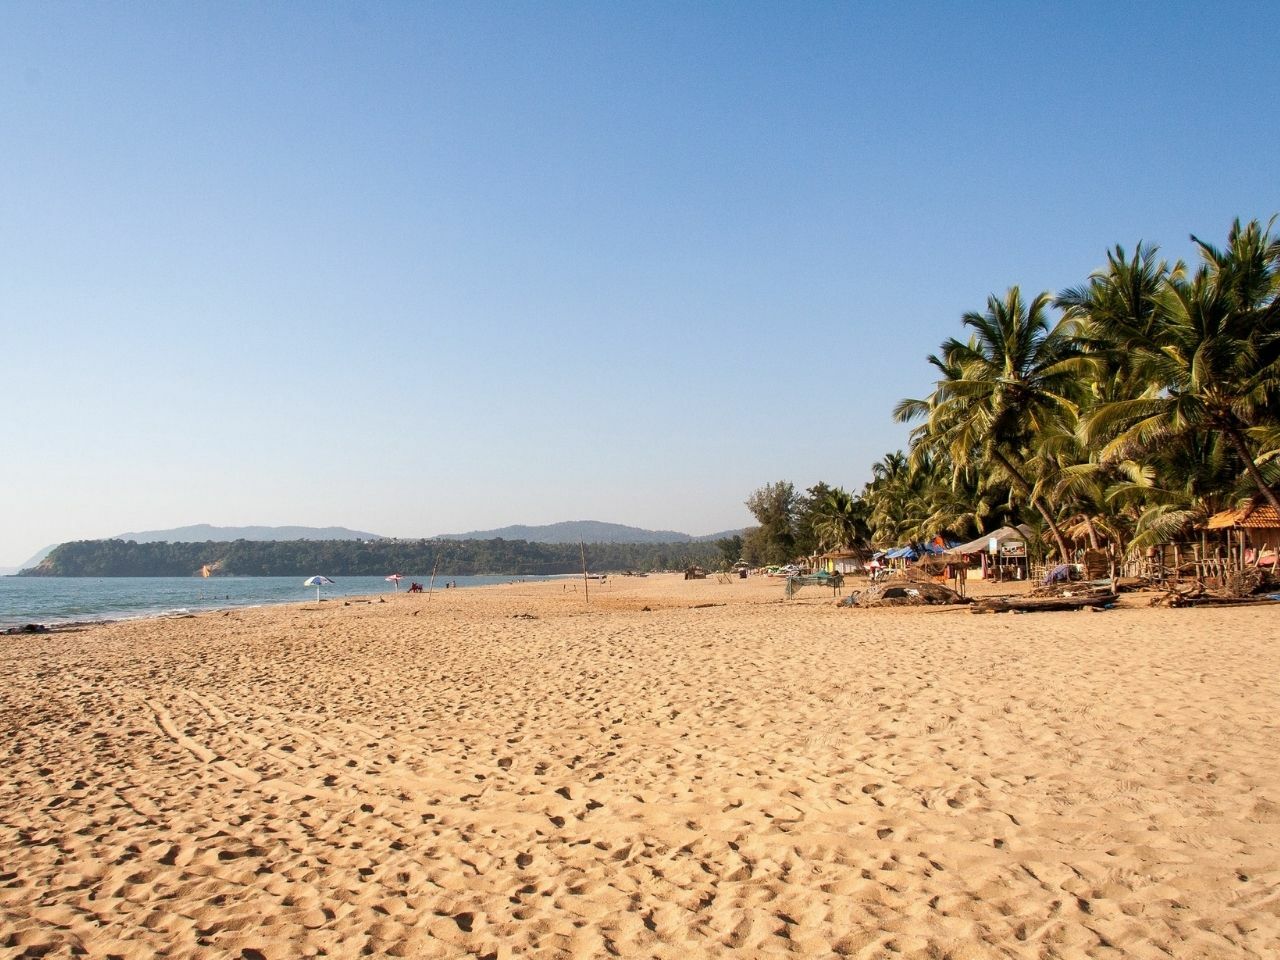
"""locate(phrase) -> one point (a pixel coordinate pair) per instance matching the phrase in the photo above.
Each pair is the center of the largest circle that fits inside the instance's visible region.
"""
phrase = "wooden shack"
(1002, 553)
(844, 561)
(1250, 532)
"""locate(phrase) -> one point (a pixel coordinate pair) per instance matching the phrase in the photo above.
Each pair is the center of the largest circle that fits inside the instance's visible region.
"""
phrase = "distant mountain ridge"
(584, 531)
(202, 532)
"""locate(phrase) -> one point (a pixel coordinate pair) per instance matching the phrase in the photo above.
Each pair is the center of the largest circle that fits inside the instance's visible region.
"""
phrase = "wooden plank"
(1037, 604)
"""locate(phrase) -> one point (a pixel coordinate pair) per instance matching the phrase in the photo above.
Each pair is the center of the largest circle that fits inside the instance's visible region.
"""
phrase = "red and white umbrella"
(395, 578)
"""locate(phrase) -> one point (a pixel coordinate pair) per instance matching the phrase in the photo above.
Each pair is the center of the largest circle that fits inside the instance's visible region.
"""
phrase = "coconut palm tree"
(961, 497)
(1210, 359)
(1176, 490)
(841, 521)
(1115, 309)
(889, 469)
(889, 498)
(901, 498)
(1008, 383)
(1078, 483)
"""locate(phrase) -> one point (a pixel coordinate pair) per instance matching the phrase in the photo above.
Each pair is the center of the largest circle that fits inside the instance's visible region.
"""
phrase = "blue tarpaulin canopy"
(912, 551)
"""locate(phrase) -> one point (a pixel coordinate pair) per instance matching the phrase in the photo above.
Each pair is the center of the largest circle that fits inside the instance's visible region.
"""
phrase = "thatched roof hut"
(1255, 514)
(1256, 526)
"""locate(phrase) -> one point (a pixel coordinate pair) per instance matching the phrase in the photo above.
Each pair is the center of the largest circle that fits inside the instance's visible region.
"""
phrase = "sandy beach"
(673, 770)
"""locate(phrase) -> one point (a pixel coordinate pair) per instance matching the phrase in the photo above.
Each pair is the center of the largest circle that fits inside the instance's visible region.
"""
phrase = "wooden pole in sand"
(434, 566)
(586, 584)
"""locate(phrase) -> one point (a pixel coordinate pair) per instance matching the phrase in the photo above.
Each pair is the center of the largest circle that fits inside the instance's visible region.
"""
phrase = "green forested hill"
(125, 558)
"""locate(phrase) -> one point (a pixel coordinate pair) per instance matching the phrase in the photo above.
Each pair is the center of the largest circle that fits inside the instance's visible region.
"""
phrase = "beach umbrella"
(316, 582)
(395, 578)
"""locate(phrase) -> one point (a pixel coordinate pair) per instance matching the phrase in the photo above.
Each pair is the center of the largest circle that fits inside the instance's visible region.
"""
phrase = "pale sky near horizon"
(427, 268)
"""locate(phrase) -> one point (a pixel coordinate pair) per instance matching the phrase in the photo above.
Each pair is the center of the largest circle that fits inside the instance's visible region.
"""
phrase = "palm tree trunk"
(1021, 482)
(1237, 441)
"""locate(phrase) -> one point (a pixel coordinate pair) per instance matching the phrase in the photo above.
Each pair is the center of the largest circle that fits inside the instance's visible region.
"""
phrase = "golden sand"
(510, 772)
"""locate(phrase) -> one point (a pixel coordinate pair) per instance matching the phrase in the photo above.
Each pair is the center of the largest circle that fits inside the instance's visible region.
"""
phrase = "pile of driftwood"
(1246, 581)
(1243, 586)
(1079, 588)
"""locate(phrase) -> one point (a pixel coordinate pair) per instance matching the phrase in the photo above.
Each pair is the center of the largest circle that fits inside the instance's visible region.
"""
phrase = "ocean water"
(60, 600)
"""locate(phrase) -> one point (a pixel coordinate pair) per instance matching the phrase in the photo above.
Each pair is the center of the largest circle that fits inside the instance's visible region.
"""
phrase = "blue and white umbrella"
(316, 582)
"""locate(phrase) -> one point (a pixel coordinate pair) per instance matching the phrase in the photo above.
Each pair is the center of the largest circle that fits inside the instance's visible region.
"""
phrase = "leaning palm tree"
(1002, 388)
(1211, 359)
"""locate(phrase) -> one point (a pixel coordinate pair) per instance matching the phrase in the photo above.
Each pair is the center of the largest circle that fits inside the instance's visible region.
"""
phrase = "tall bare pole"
(586, 584)
(434, 567)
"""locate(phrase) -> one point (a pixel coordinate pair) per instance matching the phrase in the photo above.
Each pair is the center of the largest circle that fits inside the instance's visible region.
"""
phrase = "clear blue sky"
(423, 268)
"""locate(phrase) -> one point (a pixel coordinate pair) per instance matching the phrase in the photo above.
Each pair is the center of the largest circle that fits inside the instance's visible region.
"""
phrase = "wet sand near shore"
(511, 771)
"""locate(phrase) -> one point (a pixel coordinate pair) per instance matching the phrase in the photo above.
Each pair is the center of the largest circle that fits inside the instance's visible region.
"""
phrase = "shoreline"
(181, 606)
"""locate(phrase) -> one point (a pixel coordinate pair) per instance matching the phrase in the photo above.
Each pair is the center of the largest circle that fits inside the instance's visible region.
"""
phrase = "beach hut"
(1251, 531)
(845, 560)
(1003, 552)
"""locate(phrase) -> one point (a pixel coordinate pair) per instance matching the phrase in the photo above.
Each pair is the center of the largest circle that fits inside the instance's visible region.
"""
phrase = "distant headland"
(278, 551)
